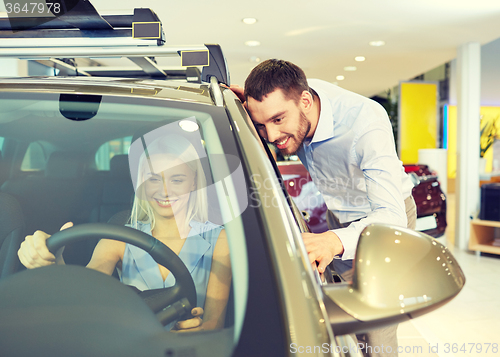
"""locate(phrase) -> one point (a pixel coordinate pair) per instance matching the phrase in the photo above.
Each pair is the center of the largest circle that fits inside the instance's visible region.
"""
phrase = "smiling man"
(346, 143)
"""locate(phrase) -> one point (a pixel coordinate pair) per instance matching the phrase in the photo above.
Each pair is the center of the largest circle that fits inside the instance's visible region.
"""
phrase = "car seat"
(117, 190)
(3, 169)
(53, 199)
(113, 193)
(12, 233)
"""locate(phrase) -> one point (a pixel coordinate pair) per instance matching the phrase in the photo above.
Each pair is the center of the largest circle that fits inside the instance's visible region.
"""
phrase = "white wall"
(12, 67)
(490, 75)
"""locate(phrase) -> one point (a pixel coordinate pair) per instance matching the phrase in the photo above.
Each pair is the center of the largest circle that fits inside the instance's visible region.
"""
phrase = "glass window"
(173, 161)
(108, 150)
(35, 158)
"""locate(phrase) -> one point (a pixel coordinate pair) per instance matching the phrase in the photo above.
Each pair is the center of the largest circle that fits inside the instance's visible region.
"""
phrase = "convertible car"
(69, 152)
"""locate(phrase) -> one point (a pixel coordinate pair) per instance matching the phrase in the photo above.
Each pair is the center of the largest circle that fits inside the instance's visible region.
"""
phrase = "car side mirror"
(399, 274)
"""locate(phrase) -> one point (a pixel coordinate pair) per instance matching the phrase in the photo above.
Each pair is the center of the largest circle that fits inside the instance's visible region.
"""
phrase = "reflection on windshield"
(170, 184)
(171, 204)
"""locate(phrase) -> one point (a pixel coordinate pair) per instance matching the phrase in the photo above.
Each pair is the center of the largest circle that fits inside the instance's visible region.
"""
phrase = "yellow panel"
(487, 113)
(418, 119)
(452, 141)
(491, 115)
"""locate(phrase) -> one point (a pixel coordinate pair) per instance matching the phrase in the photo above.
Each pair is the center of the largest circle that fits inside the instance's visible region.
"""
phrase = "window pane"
(110, 149)
(34, 159)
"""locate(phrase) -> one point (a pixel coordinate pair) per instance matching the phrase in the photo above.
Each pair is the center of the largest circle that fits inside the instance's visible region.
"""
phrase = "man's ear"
(306, 100)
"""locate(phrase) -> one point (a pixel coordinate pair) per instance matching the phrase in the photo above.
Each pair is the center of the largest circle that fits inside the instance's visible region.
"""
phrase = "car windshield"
(93, 158)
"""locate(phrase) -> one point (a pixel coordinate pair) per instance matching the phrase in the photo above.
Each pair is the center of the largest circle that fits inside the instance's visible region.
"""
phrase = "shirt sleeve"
(374, 152)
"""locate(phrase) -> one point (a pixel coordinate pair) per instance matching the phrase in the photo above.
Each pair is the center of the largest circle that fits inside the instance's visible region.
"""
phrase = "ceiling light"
(377, 43)
(254, 59)
(350, 68)
(252, 43)
(249, 20)
(188, 125)
(340, 78)
(359, 58)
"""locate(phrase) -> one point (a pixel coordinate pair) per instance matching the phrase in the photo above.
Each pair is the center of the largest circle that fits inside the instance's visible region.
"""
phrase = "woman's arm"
(218, 287)
(33, 252)
(219, 283)
(107, 254)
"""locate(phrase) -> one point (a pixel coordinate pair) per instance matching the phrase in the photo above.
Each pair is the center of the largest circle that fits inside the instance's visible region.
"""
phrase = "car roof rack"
(190, 74)
(51, 40)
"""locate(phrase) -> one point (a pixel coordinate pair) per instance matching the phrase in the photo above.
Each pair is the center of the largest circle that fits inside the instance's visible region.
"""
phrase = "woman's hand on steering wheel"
(175, 301)
(33, 252)
(192, 324)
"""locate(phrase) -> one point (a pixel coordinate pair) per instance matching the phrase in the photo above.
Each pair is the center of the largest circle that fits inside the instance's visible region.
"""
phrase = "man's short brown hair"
(274, 74)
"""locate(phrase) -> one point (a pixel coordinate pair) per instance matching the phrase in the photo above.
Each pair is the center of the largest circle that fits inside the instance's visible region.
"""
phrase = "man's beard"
(302, 132)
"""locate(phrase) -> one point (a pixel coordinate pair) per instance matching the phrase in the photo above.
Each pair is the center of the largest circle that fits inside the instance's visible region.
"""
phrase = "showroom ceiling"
(325, 36)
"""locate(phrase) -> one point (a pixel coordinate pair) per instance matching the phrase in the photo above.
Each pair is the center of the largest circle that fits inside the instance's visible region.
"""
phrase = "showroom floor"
(470, 323)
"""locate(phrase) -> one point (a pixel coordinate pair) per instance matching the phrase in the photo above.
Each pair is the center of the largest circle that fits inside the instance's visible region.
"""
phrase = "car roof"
(148, 88)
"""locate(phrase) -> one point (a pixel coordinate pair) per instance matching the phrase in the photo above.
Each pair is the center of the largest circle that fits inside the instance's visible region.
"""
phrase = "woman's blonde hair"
(181, 148)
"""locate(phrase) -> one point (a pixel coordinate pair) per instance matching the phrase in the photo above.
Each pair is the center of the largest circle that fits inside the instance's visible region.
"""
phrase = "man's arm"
(375, 155)
(322, 248)
(239, 91)
(382, 170)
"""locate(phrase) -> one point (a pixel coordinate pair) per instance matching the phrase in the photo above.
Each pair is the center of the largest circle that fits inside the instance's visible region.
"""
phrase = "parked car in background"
(305, 194)
(429, 198)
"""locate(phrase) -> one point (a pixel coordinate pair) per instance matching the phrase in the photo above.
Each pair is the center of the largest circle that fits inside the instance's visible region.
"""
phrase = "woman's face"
(168, 181)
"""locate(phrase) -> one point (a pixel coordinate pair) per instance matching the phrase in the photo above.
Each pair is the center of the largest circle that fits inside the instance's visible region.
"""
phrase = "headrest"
(64, 165)
(12, 215)
(118, 166)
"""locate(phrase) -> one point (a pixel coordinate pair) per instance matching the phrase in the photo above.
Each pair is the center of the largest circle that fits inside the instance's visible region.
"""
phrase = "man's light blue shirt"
(353, 162)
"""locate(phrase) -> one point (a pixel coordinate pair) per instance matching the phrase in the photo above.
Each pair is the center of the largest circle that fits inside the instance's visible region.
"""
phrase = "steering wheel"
(169, 304)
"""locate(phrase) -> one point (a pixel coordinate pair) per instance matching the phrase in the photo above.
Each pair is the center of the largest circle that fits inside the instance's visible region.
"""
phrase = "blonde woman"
(171, 205)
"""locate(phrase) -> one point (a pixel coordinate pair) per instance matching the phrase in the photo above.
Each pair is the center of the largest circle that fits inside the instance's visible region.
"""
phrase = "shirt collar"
(325, 128)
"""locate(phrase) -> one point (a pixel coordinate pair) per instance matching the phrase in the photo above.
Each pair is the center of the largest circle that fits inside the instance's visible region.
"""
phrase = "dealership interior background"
(434, 63)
